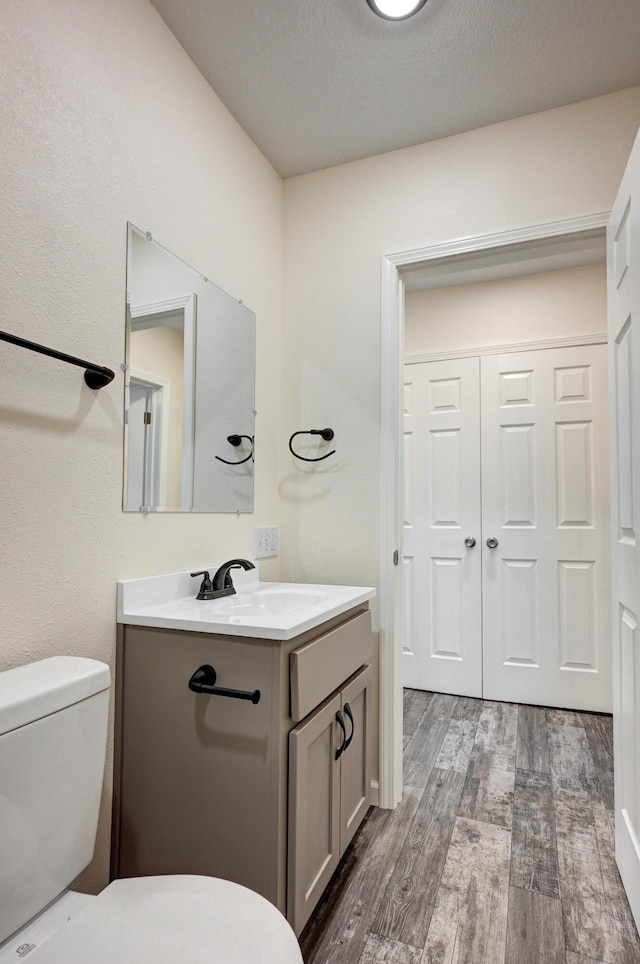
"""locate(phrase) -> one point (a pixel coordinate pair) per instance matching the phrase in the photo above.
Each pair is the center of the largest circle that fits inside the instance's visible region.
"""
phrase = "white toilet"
(53, 735)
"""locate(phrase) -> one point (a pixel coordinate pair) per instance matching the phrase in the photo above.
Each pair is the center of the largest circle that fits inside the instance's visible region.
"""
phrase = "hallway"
(501, 851)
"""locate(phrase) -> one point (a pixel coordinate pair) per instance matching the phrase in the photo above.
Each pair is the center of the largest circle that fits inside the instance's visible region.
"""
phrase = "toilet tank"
(53, 737)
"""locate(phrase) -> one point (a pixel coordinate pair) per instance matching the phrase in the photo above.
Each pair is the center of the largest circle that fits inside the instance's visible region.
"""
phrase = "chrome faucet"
(222, 583)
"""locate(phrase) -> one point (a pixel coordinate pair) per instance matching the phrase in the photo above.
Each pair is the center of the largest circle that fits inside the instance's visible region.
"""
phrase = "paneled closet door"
(441, 556)
(545, 512)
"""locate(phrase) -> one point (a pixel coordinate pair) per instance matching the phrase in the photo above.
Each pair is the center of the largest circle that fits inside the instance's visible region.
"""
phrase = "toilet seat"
(164, 920)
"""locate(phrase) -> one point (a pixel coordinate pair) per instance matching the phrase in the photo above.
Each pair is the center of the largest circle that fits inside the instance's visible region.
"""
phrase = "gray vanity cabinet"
(202, 783)
(329, 784)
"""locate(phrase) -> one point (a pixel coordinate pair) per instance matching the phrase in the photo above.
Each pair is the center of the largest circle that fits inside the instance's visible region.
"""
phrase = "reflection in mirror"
(189, 401)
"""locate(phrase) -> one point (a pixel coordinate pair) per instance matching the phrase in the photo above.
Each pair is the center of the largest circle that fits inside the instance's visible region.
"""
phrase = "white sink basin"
(268, 602)
(269, 610)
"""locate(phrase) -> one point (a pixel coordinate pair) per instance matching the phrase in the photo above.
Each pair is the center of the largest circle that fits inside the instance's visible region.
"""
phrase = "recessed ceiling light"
(396, 9)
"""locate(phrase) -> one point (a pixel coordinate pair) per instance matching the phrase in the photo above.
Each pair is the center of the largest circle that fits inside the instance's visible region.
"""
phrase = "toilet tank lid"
(28, 693)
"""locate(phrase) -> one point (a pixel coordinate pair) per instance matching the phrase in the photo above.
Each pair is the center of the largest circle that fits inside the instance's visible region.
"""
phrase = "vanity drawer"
(322, 665)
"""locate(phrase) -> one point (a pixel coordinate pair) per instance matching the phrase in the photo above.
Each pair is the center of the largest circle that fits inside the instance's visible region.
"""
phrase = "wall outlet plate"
(265, 542)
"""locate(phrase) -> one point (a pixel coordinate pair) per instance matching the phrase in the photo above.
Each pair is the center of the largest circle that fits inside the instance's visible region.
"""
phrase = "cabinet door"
(314, 810)
(355, 777)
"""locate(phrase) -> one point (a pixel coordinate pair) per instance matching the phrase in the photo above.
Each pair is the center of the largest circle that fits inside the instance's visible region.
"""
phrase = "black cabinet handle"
(203, 681)
(347, 710)
(340, 722)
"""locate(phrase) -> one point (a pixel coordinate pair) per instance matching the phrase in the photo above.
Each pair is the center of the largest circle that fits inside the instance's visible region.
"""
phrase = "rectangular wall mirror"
(189, 388)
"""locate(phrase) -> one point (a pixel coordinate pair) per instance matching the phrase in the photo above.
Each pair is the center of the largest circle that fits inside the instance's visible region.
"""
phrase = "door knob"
(469, 542)
(492, 542)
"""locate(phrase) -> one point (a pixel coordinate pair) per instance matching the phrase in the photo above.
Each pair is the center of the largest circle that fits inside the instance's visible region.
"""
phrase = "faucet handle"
(206, 586)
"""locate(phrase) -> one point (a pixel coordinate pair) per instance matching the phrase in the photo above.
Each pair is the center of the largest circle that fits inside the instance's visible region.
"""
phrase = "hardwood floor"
(501, 851)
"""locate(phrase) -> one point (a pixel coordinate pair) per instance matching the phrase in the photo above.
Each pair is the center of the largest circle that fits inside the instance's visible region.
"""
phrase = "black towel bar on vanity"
(204, 679)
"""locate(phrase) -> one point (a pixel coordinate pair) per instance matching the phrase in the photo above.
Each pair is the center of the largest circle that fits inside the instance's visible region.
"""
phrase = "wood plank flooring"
(501, 851)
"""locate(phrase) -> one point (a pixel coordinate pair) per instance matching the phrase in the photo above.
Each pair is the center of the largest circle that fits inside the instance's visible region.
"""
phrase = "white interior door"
(138, 454)
(523, 614)
(147, 442)
(441, 578)
(623, 278)
(545, 514)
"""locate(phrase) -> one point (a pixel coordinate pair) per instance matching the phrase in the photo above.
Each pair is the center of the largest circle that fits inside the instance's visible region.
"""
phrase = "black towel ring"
(326, 433)
(235, 440)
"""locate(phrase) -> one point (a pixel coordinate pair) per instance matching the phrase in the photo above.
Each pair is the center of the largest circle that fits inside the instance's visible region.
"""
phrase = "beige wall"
(558, 164)
(548, 166)
(509, 311)
(105, 119)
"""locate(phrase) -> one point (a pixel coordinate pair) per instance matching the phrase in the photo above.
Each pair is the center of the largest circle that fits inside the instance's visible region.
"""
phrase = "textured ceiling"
(318, 82)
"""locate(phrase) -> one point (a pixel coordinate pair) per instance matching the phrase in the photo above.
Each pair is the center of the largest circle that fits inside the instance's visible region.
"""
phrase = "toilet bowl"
(53, 724)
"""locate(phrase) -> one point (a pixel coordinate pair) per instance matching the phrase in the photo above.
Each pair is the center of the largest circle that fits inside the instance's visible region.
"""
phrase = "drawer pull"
(203, 681)
(349, 714)
(343, 745)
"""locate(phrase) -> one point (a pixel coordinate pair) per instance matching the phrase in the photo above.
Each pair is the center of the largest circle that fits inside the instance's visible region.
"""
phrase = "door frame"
(554, 237)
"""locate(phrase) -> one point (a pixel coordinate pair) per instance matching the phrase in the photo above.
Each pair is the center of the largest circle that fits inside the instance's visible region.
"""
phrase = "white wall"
(105, 120)
(548, 166)
(508, 311)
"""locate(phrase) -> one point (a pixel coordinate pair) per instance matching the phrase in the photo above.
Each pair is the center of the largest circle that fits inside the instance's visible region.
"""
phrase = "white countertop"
(267, 610)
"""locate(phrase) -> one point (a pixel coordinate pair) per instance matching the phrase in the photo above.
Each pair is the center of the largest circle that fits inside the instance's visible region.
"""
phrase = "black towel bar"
(203, 681)
(95, 375)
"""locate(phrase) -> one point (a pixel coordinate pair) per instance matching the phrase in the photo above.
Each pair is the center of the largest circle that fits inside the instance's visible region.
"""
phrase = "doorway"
(161, 352)
(550, 243)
